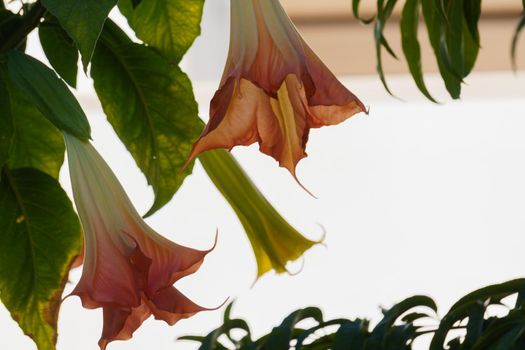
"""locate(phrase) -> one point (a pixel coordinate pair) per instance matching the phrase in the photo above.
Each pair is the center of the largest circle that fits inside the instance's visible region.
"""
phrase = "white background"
(416, 198)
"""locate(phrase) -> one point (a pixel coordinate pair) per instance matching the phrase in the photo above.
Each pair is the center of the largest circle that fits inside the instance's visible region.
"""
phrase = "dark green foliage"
(82, 20)
(60, 50)
(8, 21)
(452, 27)
(39, 239)
(400, 326)
(33, 142)
(150, 104)
(6, 121)
(48, 93)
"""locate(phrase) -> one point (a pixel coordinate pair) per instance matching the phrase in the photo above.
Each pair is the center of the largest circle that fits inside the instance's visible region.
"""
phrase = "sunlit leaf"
(170, 26)
(39, 239)
(151, 106)
(48, 93)
(82, 20)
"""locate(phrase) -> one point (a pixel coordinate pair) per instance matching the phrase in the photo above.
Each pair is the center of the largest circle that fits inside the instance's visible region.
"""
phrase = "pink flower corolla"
(129, 269)
(274, 88)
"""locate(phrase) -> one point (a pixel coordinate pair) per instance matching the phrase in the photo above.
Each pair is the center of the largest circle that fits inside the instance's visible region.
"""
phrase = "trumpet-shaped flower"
(274, 88)
(274, 241)
(129, 269)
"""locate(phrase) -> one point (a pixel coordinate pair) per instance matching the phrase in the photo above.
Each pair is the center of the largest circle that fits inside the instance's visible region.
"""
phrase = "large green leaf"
(60, 50)
(82, 20)
(6, 121)
(151, 106)
(39, 239)
(170, 26)
(48, 93)
(36, 143)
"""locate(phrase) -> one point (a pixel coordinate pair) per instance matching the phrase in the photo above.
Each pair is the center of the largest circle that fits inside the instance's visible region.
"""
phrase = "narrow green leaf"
(151, 106)
(170, 26)
(472, 11)
(470, 50)
(51, 96)
(6, 121)
(60, 50)
(409, 27)
(383, 14)
(36, 143)
(462, 308)
(436, 28)
(280, 337)
(355, 11)
(82, 20)
(39, 239)
(454, 36)
(514, 45)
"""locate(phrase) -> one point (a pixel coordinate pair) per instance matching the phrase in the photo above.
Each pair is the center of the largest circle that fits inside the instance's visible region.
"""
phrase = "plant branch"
(29, 21)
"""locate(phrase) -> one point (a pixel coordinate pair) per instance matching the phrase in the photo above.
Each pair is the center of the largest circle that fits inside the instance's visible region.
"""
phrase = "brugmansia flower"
(274, 241)
(274, 88)
(129, 269)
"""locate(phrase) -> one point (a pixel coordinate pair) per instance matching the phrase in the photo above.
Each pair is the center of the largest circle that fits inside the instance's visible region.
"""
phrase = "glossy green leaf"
(36, 143)
(170, 26)
(409, 27)
(472, 10)
(39, 239)
(151, 106)
(274, 241)
(60, 50)
(82, 20)
(48, 93)
(454, 37)
(436, 28)
(471, 48)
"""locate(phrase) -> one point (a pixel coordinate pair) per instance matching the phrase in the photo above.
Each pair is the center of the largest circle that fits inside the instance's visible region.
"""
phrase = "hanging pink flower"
(129, 269)
(274, 88)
